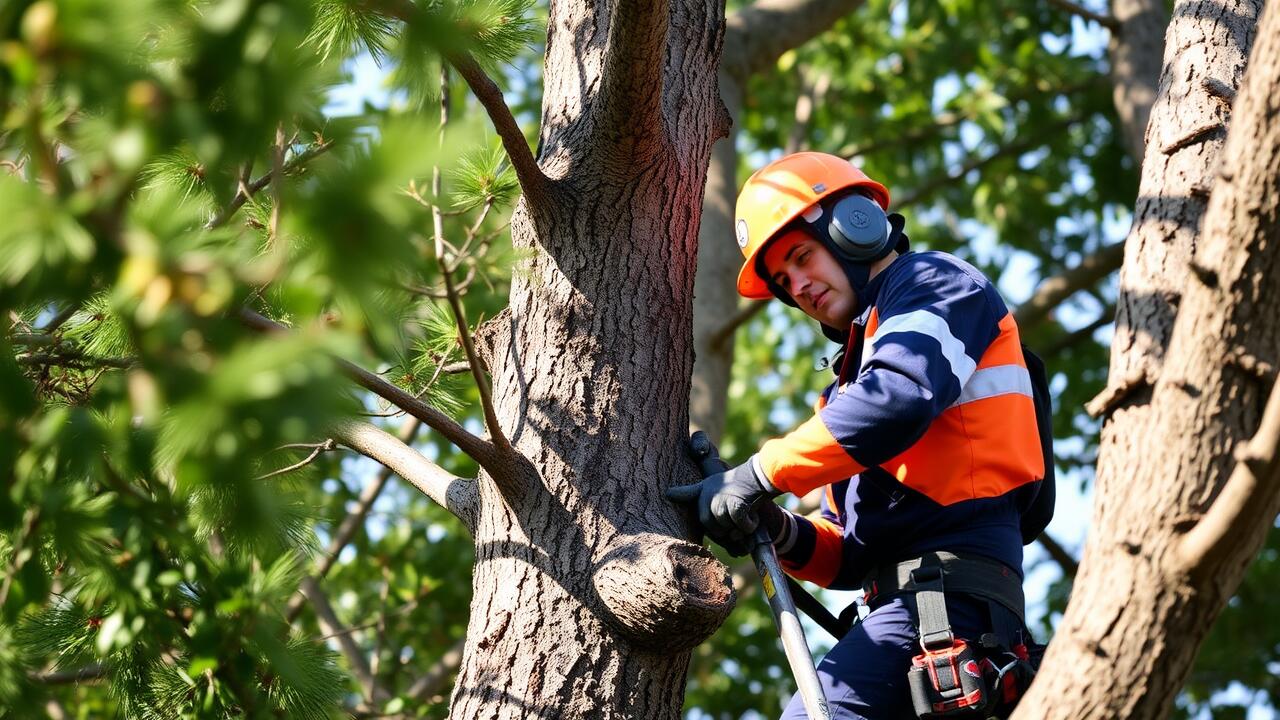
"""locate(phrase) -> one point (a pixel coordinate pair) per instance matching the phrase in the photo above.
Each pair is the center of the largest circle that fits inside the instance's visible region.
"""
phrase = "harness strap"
(931, 606)
(984, 578)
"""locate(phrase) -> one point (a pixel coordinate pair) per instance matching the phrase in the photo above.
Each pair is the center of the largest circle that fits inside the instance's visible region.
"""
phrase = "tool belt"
(954, 677)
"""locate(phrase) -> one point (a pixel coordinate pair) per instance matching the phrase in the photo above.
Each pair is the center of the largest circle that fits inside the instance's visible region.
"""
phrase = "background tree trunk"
(585, 605)
(1168, 545)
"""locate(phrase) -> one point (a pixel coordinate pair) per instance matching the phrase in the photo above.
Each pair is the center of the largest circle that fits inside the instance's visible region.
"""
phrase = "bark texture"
(585, 599)
(1160, 562)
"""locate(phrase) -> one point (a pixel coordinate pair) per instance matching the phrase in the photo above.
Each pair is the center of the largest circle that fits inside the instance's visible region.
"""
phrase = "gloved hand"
(726, 503)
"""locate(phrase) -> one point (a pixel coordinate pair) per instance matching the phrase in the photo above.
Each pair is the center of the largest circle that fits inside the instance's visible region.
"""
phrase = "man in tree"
(926, 442)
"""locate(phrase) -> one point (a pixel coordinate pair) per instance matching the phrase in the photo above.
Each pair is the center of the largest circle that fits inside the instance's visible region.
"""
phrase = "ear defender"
(859, 228)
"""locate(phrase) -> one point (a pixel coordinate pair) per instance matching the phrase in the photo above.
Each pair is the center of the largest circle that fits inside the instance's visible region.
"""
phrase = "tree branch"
(74, 359)
(1070, 566)
(450, 492)
(1054, 290)
(1105, 21)
(811, 94)
(758, 34)
(532, 181)
(434, 679)
(726, 331)
(242, 196)
(89, 673)
(333, 628)
(479, 449)
(1075, 337)
(1246, 501)
(629, 103)
(325, 446)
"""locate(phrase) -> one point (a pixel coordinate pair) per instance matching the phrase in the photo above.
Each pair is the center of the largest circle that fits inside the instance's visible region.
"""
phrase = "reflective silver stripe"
(927, 323)
(993, 381)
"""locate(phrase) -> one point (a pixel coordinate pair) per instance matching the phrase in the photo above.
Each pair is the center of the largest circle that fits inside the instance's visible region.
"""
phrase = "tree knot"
(661, 593)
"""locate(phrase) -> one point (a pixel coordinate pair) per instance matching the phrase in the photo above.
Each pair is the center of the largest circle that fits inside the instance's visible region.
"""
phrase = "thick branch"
(435, 678)
(1105, 21)
(89, 673)
(75, 359)
(453, 493)
(1054, 290)
(757, 35)
(1247, 500)
(354, 520)
(481, 450)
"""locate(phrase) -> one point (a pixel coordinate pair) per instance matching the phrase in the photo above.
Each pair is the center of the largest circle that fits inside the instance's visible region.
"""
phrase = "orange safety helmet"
(782, 191)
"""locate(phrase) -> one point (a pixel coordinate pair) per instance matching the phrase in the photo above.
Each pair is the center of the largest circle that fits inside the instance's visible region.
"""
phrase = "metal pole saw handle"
(781, 604)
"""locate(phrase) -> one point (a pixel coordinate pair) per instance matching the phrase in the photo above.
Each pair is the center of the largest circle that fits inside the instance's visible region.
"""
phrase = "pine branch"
(1105, 21)
(481, 450)
(74, 359)
(758, 34)
(533, 183)
(456, 495)
(316, 449)
(1051, 292)
(252, 188)
(455, 304)
(89, 673)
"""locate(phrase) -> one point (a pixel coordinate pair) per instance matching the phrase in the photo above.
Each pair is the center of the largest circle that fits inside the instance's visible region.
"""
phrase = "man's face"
(811, 274)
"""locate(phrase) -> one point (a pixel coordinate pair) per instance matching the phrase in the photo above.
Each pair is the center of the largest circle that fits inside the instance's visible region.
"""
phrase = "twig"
(1105, 21)
(277, 192)
(74, 359)
(88, 673)
(459, 314)
(1015, 148)
(60, 319)
(16, 559)
(1070, 566)
(333, 628)
(241, 197)
(481, 450)
(325, 446)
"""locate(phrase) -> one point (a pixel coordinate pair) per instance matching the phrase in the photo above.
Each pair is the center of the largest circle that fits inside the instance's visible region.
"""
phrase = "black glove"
(727, 502)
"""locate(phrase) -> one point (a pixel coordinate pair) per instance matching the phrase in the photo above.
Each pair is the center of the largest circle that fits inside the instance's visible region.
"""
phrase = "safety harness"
(954, 677)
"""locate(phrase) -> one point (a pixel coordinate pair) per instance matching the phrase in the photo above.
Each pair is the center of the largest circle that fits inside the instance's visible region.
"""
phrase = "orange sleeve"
(806, 458)
(823, 564)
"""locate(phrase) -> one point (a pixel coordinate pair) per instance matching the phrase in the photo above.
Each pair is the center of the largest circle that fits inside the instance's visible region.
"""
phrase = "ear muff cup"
(859, 228)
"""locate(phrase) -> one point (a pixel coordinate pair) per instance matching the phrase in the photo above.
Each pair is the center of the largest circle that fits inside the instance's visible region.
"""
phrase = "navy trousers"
(865, 674)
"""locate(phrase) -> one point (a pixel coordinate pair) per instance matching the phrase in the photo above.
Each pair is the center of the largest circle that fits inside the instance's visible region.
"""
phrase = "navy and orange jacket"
(927, 439)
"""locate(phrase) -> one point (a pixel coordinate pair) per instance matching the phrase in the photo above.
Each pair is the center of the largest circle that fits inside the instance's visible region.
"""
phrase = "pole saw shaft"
(781, 604)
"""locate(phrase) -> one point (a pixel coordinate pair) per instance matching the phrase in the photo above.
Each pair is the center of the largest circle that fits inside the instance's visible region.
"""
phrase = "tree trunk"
(1168, 546)
(585, 603)
(1136, 51)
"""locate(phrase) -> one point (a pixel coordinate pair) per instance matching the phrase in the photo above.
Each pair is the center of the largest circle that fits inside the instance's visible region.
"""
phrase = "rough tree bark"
(1183, 504)
(585, 603)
